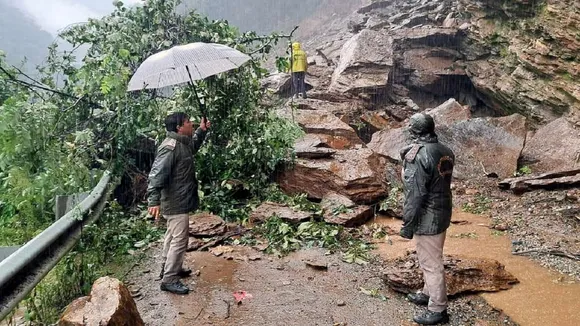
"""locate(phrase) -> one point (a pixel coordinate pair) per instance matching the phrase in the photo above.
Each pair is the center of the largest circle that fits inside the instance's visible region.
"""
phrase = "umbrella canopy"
(185, 63)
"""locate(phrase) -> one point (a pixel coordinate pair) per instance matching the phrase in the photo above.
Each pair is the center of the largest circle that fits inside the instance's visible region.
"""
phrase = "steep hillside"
(20, 37)
(496, 57)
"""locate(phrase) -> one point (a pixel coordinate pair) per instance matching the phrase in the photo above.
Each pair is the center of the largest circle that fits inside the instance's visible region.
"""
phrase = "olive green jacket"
(172, 181)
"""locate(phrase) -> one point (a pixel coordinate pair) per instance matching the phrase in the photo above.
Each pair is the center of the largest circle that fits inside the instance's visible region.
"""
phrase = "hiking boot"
(432, 318)
(176, 287)
(418, 298)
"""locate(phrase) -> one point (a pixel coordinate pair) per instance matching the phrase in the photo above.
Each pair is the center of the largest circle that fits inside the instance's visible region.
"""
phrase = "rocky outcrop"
(462, 275)
(340, 210)
(357, 174)
(555, 146)
(288, 214)
(109, 304)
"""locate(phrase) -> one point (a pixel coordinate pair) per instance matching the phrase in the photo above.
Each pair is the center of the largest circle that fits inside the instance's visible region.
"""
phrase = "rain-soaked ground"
(287, 291)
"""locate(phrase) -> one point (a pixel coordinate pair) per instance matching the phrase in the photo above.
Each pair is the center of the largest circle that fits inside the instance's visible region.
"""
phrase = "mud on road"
(286, 291)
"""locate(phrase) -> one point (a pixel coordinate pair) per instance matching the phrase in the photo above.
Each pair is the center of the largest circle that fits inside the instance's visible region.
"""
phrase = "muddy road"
(288, 291)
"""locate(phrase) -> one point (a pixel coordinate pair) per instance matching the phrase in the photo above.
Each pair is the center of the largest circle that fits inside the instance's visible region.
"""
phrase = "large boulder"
(555, 146)
(357, 174)
(206, 225)
(482, 146)
(486, 146)
(462, 275)
(339, 209)
(389, 142)
(365, 64)
(109, 304)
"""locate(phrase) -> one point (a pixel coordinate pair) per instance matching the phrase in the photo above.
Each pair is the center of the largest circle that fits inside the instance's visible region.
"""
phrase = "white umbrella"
(185, 63)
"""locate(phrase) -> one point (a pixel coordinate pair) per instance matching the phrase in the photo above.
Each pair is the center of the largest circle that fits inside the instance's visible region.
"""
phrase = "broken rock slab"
(357, 174)
(206, 225)
(312, 147)
(339, 209)
(461, 275)
(332, 131)
(555, 146)
(288, 214)
(550, 180)
(109, 304)
(365, 63)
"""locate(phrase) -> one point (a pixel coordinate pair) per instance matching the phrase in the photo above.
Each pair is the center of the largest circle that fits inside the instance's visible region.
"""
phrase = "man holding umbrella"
(172, 191)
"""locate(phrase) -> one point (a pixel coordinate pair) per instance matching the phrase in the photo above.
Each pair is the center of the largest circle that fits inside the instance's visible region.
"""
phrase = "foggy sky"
(53, 15)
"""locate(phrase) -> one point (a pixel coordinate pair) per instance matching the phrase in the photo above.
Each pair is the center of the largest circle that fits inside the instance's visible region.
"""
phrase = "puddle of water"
(215, 273)
(541, 298)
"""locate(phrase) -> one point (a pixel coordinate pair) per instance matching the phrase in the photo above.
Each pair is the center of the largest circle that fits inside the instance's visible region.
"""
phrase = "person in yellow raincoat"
(299, 66)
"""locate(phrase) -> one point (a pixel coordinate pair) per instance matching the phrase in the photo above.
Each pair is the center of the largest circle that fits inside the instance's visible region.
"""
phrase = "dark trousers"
(299, 83)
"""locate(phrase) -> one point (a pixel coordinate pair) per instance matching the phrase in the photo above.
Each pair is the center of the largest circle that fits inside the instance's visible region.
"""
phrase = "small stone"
(341, 303)
(285, 283)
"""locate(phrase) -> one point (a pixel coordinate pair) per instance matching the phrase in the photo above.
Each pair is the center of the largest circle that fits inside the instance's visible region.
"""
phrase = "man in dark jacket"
(427, 172)
(172, 192)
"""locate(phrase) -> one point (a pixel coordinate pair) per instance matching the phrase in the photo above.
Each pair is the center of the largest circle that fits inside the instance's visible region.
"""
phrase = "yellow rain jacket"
(299, 61)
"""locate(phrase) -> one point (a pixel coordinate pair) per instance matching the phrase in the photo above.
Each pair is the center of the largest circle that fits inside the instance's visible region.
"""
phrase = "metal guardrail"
(25, 268)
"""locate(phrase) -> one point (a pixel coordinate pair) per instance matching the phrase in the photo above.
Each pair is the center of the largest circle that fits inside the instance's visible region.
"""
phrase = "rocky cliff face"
(499, 57)
(501, 75)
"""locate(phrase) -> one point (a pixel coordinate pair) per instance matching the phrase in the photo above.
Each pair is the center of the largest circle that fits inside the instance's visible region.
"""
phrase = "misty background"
(28, 27)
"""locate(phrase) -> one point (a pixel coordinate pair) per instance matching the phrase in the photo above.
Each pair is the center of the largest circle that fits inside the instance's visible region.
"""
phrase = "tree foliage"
(57, 142)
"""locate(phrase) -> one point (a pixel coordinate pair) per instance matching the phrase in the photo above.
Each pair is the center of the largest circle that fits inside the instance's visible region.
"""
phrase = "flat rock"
(462, 275)
(109, 304)
(288, 214)
(549, 180)
(356, 173)
(555, 146)
(206, 225)
(312, 147)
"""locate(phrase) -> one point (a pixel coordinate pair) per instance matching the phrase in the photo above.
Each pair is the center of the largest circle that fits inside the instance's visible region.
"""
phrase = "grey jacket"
(172, 181)
(427, 173)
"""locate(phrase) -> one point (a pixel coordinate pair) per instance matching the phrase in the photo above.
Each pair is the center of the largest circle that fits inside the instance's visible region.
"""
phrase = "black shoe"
(177, 288)
(432, 318)
(419, 298)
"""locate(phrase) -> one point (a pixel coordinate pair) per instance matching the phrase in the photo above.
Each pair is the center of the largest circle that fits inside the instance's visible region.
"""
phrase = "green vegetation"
(479, 205)
(60, 132)
(282, 238)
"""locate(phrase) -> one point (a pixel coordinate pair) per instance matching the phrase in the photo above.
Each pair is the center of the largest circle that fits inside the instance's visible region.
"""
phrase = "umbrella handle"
(201, 105)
